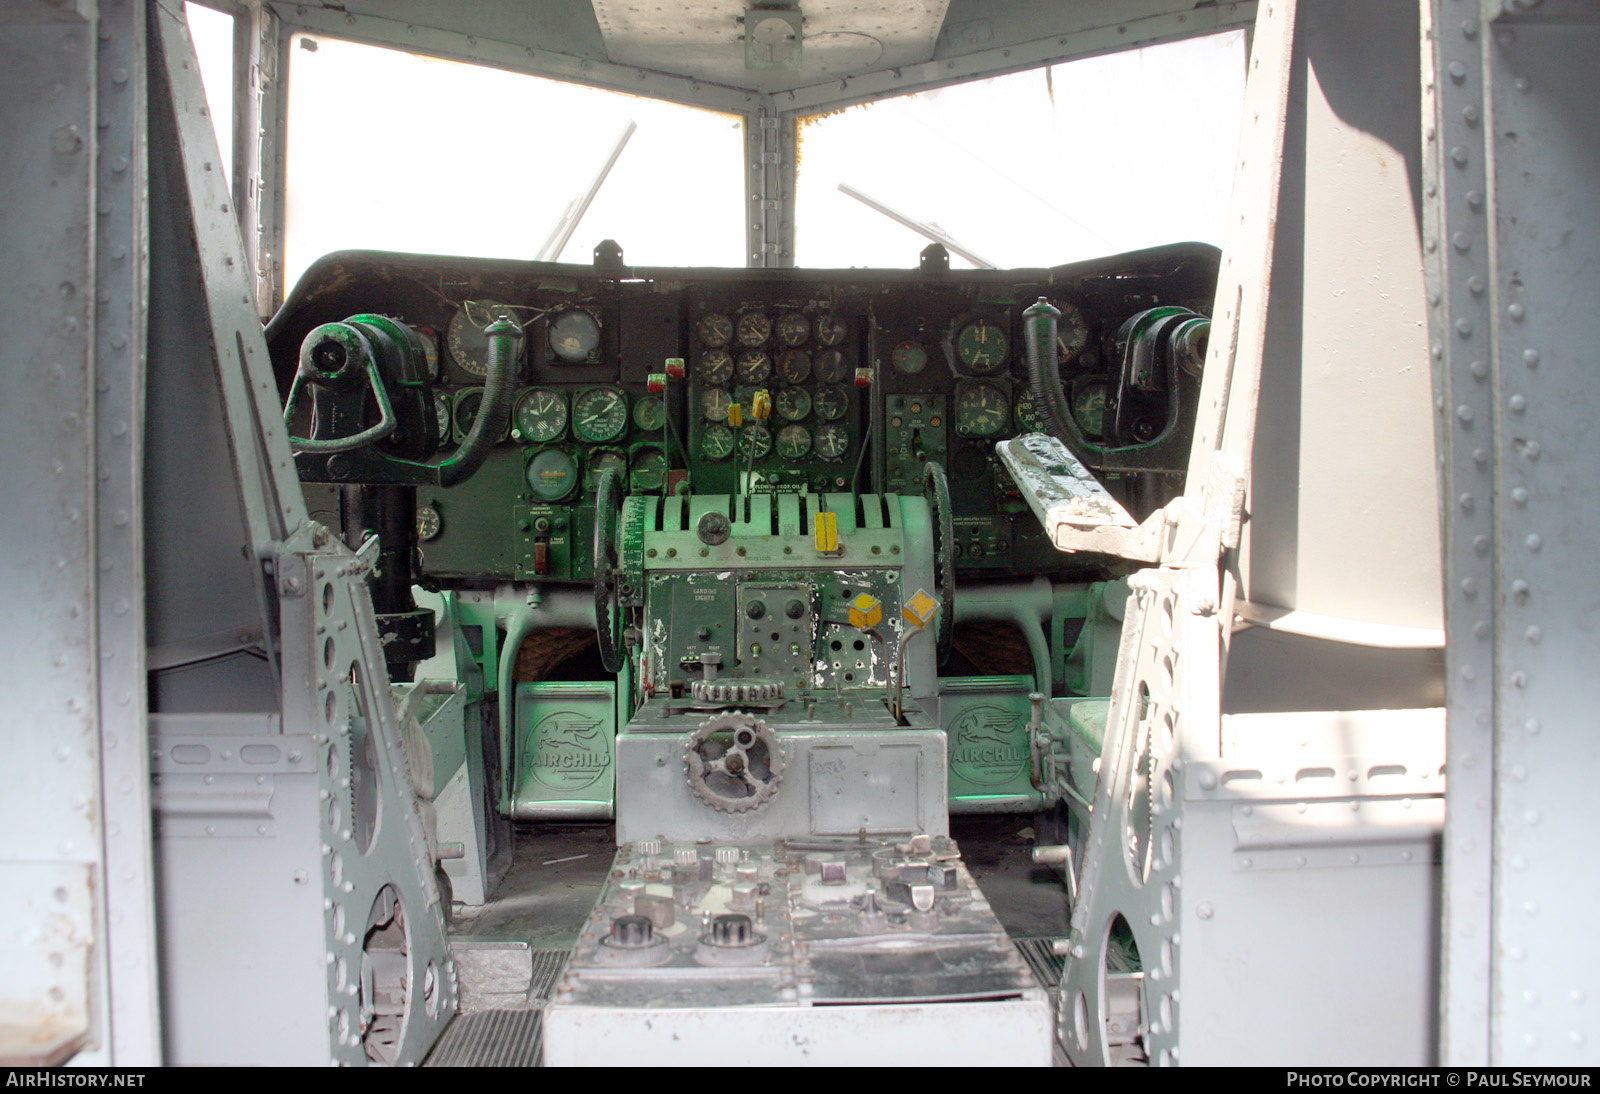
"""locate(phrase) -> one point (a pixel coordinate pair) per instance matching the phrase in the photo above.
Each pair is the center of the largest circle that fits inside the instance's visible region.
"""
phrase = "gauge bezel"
(516, 415)
(706, 328)
(711, 369)
(590, 356)
(962, 389)
(896, 355)
(644, 451)
(713, 393)
(791, 329)
(965, 355)
(717, 429)
(786, 394)
(792, 430)
(535, 454)
(830, 429)
(459, 320)
(830, 390)
(638, 406)
(601, 438)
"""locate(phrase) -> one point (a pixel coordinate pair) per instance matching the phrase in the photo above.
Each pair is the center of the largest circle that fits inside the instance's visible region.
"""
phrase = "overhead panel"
(706, 39)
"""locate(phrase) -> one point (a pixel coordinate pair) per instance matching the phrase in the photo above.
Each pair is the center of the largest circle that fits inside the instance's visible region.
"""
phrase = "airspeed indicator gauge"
(982, 410)
(600, 414)
(541, 415)
(982, 346)
(574, 335)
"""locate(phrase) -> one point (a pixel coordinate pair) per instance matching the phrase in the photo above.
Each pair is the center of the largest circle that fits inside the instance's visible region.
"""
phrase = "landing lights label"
(988, 745)
(568, 752)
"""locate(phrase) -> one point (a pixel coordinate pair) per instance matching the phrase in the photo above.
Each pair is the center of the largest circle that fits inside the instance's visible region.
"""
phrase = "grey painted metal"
(770, 178)
(51, 827)
(1542, 140)
(495, 45)
(121, 240)
(1340, 528)
(1456, 243)
(259, 114)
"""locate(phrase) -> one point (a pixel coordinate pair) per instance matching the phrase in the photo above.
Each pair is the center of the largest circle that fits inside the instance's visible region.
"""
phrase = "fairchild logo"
(988, 745)
(566, 751)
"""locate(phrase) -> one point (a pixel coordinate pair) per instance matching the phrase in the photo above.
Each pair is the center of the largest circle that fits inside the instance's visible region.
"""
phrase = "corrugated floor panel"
(492, 1038)
(1042, 959)
(547, 968)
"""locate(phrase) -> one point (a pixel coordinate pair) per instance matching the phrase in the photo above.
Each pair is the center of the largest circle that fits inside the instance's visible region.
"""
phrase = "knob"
(729, 930)
(632, 931)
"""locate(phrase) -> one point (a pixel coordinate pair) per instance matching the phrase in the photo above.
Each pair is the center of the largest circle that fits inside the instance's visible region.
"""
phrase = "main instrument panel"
(749, 382)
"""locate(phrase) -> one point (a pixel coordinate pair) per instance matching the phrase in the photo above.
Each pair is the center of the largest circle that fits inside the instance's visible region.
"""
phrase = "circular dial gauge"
(430, 351)
(605, 459)
(1072, 332)
(649, 470)
(830, 403)
(794, 366)
(467, 404)
(831, 330)
(469, 346)
(441, 411)
(757, 437)
(552, 474)
(716, 367)
(574, 335)
(793, 403)
(649, 413)
(754, 367)
(428, 524)
(716, 443)
(541, 415)
(791, 328)
(982, 410)
(600, 414)
(715, 329)
(714, 405)
(909, 358)
(982, 346)
(1089, 407)
(832, 441)
(794, 442)
(1027, 412)
(830, 366)
(753, 328)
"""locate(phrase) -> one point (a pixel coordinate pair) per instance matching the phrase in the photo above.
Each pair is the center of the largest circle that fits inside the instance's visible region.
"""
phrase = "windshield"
(394, 151)
(1093, 157)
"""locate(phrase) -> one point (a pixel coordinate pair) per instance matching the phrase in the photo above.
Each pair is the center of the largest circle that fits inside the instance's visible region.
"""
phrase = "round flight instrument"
(604, 459)
(830, 403)
(428, 523)
(754, 367)
(1089, 408)
(469, 346)
(716, 367)
(442, 411)
(982, 410)
(909, 358)
(715, 329)
(791, 328)
(649, 472)
(716, 443)
(832, 441)
(541, 415)
(793, 403)
(649, 413)
(600, 414)
(468, 403)
(794, 442)
(757, 437)
(753, 328)
(552, 474)
(1027, 412)
(574, 335)
(794, 366)
(714, 405)
(982, 346)
(830, 366)
(831, 330)
(1072, 332)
